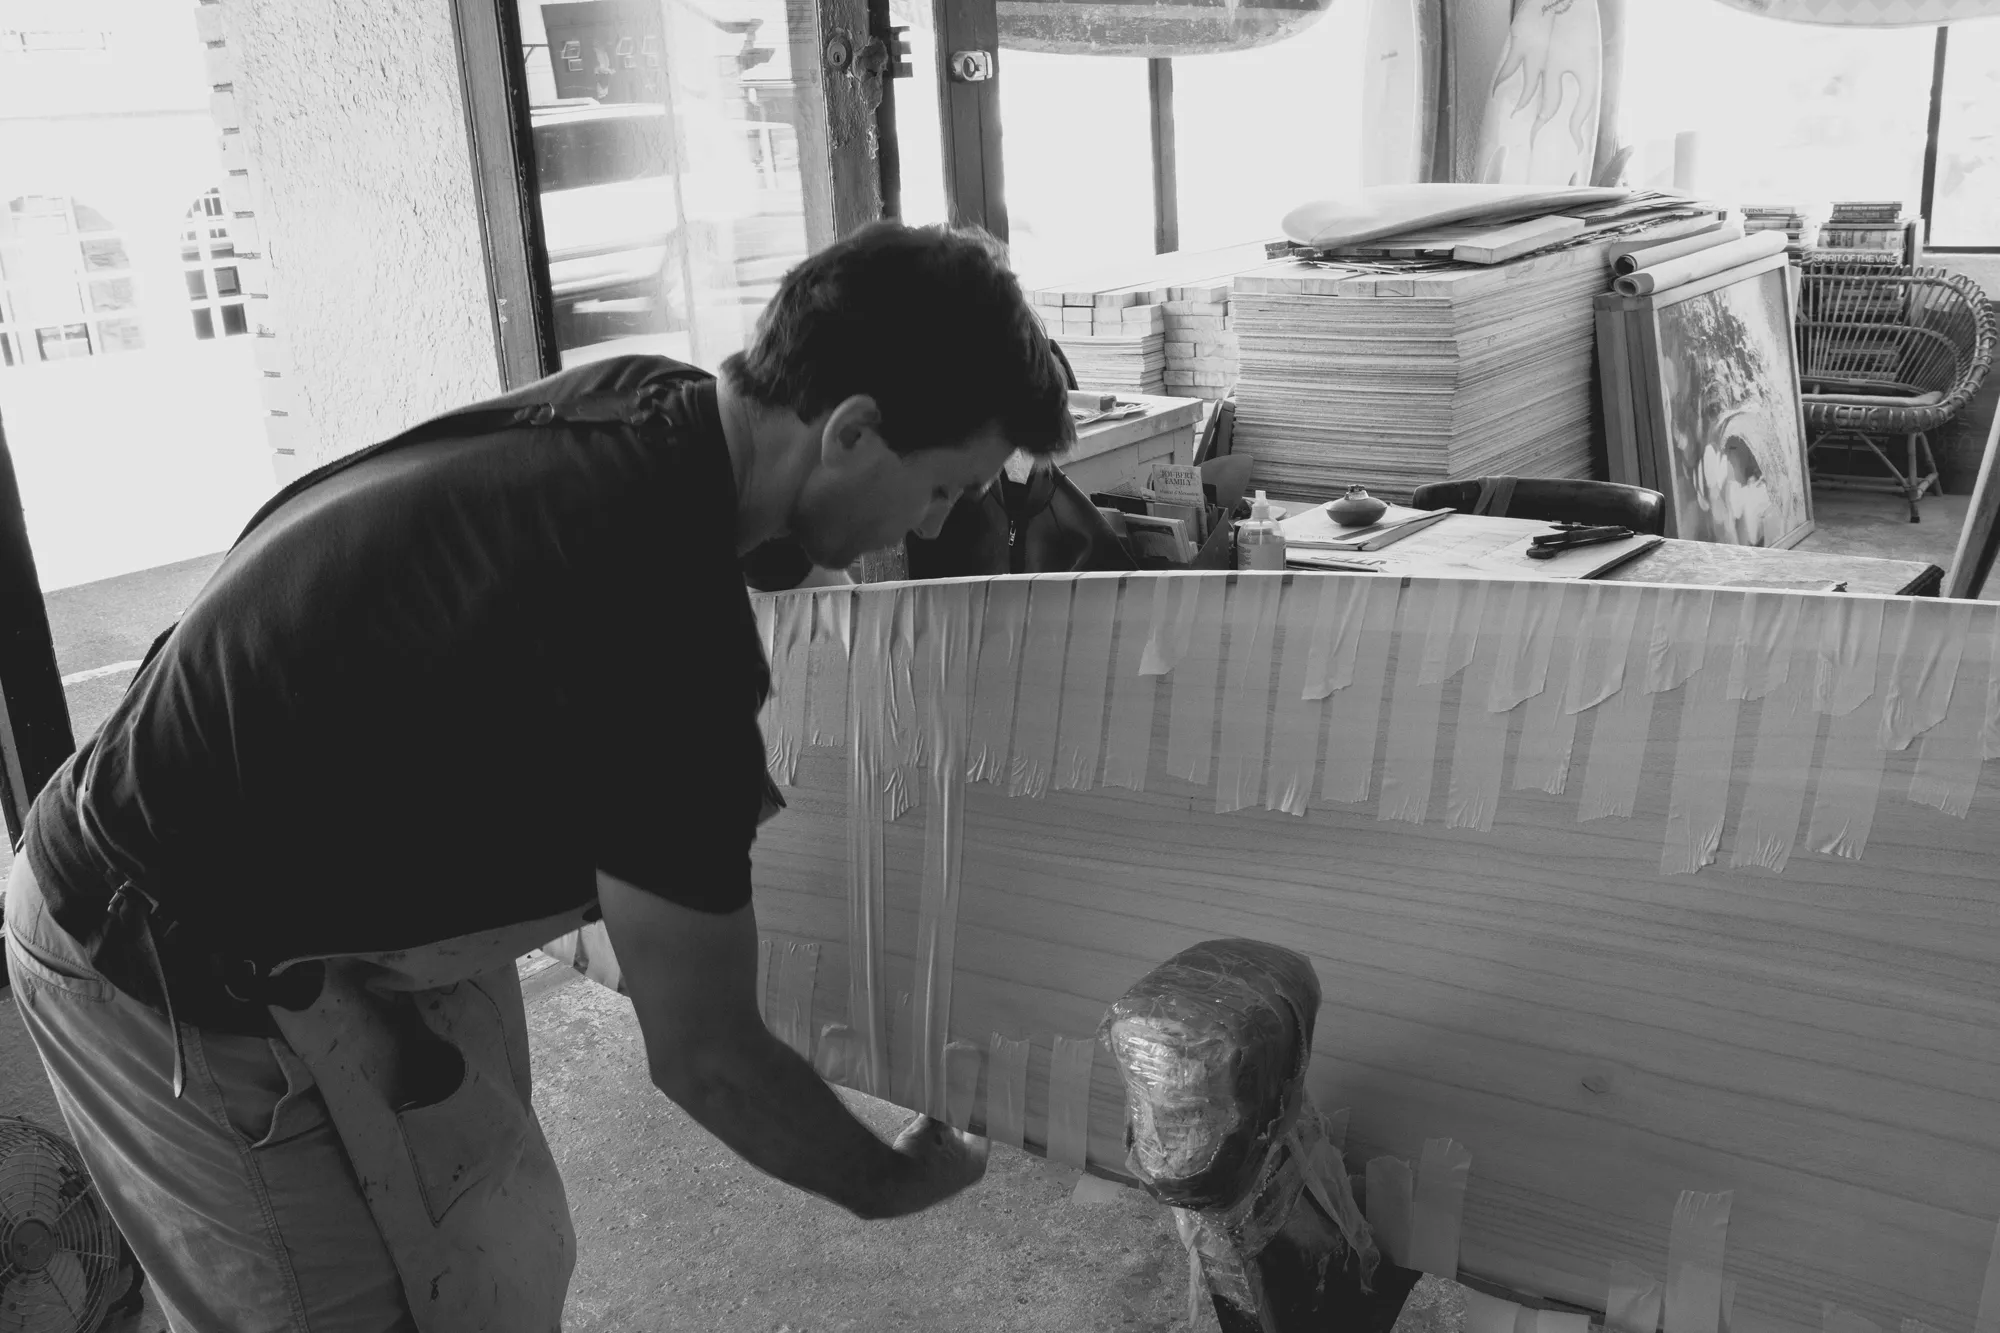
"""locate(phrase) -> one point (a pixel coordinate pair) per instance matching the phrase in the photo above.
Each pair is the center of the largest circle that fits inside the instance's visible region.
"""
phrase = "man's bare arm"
(692, 976)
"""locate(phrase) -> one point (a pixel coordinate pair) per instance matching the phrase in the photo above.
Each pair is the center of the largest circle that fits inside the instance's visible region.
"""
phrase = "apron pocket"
(475, 1134)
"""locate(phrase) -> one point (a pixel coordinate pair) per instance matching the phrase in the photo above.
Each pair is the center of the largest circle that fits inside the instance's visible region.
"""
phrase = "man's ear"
(853, 423)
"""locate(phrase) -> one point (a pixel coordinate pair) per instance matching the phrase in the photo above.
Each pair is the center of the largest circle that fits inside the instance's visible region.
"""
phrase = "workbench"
(1708, 564)
(1109, 453)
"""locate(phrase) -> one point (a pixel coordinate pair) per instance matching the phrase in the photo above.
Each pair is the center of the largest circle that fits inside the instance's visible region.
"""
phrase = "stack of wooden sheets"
(1187, 294)
(1389, 381)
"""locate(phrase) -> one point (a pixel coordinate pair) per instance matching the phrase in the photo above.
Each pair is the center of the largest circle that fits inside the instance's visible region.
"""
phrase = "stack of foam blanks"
(1189, 292)
(1390, 382)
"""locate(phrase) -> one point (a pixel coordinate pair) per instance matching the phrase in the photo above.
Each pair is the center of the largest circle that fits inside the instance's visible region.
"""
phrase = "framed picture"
(1701, 403)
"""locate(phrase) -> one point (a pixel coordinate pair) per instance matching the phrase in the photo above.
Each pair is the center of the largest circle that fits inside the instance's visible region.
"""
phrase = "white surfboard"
(1399, 94)
(1540, 123)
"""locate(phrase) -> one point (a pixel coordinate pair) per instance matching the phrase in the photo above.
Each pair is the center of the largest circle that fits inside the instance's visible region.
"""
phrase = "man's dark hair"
(927, 321)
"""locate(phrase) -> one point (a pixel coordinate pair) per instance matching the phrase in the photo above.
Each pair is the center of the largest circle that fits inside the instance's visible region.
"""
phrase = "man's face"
(864, 496)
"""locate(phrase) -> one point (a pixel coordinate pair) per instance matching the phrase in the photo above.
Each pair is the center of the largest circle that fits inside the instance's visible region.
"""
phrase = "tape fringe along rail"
(1007, 1092)
(1479, 745)
(1695, 1247)
(1298, 716)
(1354, 710)
(869, 806)
(1409, 756)
(1610, 675)
(1705, 752)
(1128, 732)
(1949, 756)
(1988, 1318)
(1192, 685)
(950, 615)
(1633, 1304)
(1037, 710)
(1070, 1062)
(1085, 681)
(1548, 728)
(1439, 1207)
(826, 695)
(1853, 646)
(1767, 824)
(1391, 1207)
(1246, 689)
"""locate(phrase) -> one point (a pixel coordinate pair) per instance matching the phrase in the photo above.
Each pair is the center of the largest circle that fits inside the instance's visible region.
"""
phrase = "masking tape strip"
(1774, 800)
(1548, 730)
(1336, 1128)
(1527, 641)
(1929, 644)
(1633, 1305)
(1491, 1314)
(1172, 632)
(995, 681)
(1989, 735)
(1604, 646)
(1694, 1262)
(1767, 627)
(869, 802)
(1128, 735)
(1390, 1206)
(1192, 688)
(790, 665)
(1336, 632)
(1850, 641)
(1069, 1100)
(962, 1061)
(1948, 757)
(764, 1009)
(1850, 780)
(1439, 1207)
(1699, 800)
(1678, 644)
(1007, 1092)
(798, 973)
(1246, 690)
(1086, 681)
(1988, 1318)
(905, 1079)
(832, 631)
(1354, 713)
(1618, 741)
(1449, 640)
(1033, 758)
(1834, 1319)
(1479, 743)
(765, 607)
(839, 1058)
(1295, 720)
(950, 625)
(905, 686)
(1409, 756)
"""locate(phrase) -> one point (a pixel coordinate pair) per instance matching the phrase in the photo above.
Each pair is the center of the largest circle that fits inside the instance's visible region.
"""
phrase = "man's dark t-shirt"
(432, 693)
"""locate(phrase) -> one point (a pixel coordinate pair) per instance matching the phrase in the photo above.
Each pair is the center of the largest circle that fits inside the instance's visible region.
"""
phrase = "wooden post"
(839, 88)
(969, 111)
(34, 718)
(1166, 173)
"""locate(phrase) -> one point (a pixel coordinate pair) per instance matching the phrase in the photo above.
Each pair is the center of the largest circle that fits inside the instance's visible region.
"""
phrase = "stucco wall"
(361, 181)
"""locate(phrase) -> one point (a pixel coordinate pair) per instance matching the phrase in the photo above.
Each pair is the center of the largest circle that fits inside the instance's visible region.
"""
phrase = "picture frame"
(1700, 385)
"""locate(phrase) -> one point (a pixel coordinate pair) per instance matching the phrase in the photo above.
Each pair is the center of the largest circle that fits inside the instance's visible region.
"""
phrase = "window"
(63, 269)
(1079, 161)
(1784, 112)
(1259, 132)
(63, 342)
(205, 241)
(1965, 198)
(666, 159)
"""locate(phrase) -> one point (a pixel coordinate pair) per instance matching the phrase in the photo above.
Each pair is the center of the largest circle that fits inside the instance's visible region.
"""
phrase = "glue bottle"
(1260, 542)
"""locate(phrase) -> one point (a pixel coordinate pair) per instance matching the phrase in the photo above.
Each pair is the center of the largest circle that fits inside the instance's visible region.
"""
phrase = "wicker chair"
(1886, 352)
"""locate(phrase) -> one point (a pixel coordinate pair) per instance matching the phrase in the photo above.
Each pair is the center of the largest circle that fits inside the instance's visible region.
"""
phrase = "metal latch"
(971, 66)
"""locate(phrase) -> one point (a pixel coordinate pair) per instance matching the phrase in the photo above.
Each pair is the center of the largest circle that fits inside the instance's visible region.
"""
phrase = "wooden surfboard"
(1540, 124)
(1399, 98)
(1118, 28)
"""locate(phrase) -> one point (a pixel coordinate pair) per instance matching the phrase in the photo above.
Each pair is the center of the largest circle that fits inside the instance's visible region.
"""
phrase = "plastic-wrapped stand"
(1213, 1045)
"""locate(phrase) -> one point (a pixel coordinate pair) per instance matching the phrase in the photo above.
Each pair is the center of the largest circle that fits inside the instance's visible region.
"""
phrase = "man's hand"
(692, 976)
(947, 1160)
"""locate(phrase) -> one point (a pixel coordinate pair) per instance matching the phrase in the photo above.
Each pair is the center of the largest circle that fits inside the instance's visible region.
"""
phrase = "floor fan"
(63, 1265)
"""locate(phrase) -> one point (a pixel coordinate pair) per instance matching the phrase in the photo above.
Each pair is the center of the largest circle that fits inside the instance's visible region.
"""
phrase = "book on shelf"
(1315, 530)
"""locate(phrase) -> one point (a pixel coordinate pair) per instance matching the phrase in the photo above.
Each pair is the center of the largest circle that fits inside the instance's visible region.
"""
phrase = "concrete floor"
(1872, 524)
(675, 1234)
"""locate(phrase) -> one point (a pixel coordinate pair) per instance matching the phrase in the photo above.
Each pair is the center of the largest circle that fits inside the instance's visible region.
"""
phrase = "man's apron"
(454, 1168)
